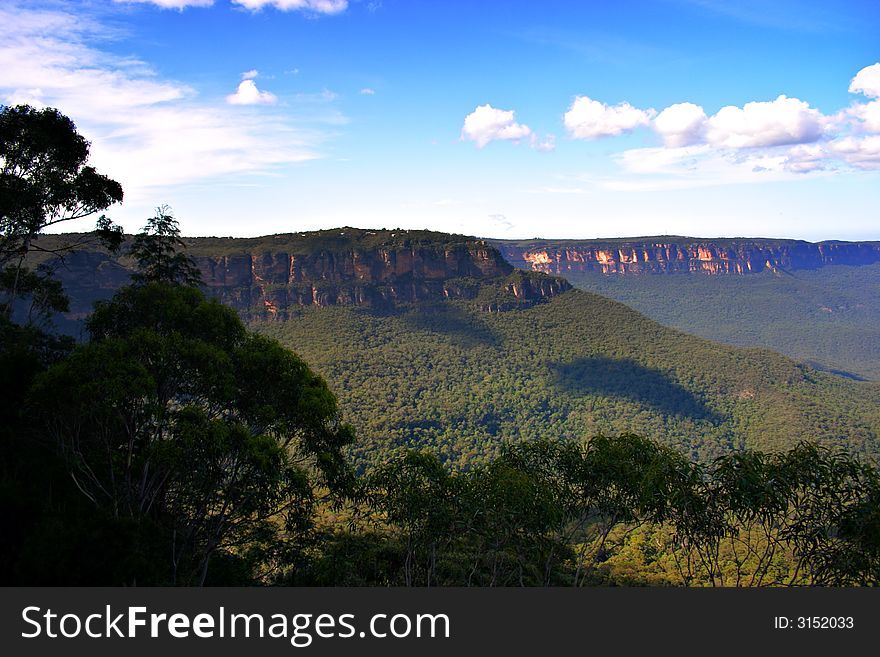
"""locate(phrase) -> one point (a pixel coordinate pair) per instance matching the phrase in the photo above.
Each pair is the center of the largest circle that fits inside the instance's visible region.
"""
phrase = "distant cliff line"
(267, 277)
(672, 255)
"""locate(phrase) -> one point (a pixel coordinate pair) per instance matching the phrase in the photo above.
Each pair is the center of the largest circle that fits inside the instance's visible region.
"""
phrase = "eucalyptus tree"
(175, 416)
(45, 181)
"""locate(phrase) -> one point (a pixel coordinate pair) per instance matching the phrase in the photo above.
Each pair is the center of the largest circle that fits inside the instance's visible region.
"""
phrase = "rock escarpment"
(669, 255)
(268, 277)
(378, 269)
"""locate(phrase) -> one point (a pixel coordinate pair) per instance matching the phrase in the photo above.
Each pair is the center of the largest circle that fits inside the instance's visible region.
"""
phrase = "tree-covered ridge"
(336, 239)
(678, 240)
(306, 242)
(450, 378)
(828, 317)
(173, 445)
(448, 374)
(375, 269)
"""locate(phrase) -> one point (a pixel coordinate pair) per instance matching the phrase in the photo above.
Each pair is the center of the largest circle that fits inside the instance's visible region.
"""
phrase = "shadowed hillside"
(818, 303)
(481, 353)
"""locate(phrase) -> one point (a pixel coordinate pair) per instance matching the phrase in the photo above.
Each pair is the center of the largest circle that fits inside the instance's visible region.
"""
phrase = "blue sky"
(501, 119)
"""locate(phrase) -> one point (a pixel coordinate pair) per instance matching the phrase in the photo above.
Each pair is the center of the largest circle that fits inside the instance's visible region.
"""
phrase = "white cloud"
(366, 91)
(545, 145)
(689, 167)
(501, 221)
(682, 124)
(149, 133)
(860, 152)
(547, 189)
(867, 81)
(314, 6)
(761, 141)
(590, 119)
(324, 96)
(663, 160)
(250, 75)
(170, 4)
(248, 94)
(805, 158)
(868, 115)
(487, 124)
(759, 124)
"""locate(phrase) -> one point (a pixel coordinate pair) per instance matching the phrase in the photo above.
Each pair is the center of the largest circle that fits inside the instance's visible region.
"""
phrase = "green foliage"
(615, 510)
(44, 181)
(157, 249)
(175, 438)
(491, 526)
(828, 317)
(459, 381)
(43, 294)
(173, 418)
(330, 241)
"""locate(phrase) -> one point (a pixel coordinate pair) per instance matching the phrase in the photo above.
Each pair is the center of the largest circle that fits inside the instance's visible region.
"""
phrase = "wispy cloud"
(146, 131)
(313, 6)
(689, 167)
(598, 46)
(787, 15)
(500, 221)
(169, 4)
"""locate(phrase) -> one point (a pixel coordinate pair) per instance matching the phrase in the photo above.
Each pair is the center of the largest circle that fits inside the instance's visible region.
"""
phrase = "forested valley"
(177, 445)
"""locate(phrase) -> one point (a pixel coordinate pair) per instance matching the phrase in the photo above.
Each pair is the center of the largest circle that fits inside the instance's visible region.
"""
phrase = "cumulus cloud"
(590, 119)
(805, 158)
(366, 91)
(867, 81)
(487, 123)
(759, 124)
(868, 114)
(759, 141)
(682, 124)
(248, 94)
(147, 132)
(250, 75)
(313, 6)
(860, 152)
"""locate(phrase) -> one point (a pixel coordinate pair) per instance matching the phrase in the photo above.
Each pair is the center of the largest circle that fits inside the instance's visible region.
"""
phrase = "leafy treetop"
(44, 179)
(156, 250)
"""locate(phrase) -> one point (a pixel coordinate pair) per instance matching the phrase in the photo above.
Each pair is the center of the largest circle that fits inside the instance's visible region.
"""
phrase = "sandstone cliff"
(665, 255)
(267, 277)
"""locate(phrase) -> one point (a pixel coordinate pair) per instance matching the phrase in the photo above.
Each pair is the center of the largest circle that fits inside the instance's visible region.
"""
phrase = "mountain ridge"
(268, 277)
(465, 373)
(676, 254)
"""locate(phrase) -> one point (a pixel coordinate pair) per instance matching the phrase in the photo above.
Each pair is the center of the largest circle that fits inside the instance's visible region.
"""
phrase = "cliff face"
(684, 255)
(267, 277)
(271, 283)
